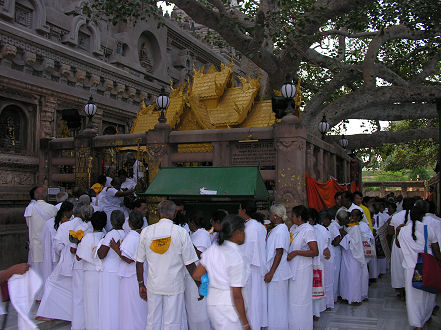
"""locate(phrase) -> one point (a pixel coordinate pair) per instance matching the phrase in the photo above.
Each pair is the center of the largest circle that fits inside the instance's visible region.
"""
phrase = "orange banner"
(321, 194)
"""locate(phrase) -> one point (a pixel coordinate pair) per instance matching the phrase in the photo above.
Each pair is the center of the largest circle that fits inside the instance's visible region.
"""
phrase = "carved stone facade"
(52, 59)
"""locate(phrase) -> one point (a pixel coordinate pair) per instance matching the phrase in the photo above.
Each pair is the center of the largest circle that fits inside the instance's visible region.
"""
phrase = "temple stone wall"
(51, 60)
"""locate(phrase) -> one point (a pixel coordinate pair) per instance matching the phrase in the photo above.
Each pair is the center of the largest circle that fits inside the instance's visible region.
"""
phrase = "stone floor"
(383, 311)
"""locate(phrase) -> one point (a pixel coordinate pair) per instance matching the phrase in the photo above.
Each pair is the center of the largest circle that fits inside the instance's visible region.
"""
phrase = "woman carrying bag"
(412, 241)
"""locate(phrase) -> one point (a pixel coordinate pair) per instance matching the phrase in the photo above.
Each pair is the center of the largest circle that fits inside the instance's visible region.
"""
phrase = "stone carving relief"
(16, 178)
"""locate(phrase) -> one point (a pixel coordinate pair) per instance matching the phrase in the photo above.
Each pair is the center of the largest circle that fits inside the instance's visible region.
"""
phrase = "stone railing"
(283, 152)
(405, 188)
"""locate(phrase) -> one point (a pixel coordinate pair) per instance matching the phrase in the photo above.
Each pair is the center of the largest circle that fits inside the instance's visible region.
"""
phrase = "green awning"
(206, 182)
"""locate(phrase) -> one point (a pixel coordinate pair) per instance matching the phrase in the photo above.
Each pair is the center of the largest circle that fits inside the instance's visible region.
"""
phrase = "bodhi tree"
(358, 59)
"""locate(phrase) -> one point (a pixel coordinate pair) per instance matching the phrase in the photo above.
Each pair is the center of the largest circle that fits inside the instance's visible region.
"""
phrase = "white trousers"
(165, 312)
(329, 282)
(78, 321)
(382, 265)
(300, 300)
(373, 267)
(277, 305)
(224, 317)
(365, 283)
(419, 303)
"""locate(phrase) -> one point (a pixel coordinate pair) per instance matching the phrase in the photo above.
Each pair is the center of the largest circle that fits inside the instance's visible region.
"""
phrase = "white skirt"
(329, 282)
(91, 299)
(197, 314)
(337, 264)
(419, 303)
(300, 300)
(278, 305)
(397, 270)
(132, 308)
(224, 317)
(108, 302)
(255, 296)
(78, 321)
(57, 298)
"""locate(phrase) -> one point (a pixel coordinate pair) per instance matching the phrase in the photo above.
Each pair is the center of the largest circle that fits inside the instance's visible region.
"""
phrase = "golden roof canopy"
(211, 102)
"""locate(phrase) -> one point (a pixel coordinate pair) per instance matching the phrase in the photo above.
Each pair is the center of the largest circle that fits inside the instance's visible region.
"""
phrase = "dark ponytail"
(65, 207)
(230, 224)
(408, 205)
(301, 211)
(416, 214)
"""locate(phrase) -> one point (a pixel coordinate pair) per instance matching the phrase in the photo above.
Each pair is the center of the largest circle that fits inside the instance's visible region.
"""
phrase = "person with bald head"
(36, 214)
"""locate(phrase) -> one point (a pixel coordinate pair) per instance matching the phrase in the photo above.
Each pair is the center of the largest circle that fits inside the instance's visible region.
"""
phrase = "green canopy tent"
(210, 187)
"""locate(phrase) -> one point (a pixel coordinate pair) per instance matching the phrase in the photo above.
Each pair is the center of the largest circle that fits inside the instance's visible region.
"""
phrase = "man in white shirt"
(137, 166)
(348, 205)
(36, 214)
(139, 205)
(254, 250)
(168, 249)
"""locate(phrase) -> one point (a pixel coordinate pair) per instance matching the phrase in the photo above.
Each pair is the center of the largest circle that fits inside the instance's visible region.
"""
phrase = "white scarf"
(356, 244)
(33, 205)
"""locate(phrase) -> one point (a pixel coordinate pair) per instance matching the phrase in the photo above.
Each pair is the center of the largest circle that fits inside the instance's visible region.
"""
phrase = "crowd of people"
(105, 267)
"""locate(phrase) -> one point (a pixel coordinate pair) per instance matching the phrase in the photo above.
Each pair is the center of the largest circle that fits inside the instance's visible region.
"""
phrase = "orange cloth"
(321, 195)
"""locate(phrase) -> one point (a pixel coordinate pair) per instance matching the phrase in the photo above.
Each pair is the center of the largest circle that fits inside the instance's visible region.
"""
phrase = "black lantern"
(90, 110)
(162, 103)
(324, 127)
(343, 142)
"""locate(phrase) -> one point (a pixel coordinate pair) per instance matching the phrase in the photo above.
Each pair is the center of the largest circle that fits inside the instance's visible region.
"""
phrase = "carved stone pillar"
(309, 154)
(47, 117)
(158, 151)
(290, 140)
(84, 158)
(221, 154)
(320, 165)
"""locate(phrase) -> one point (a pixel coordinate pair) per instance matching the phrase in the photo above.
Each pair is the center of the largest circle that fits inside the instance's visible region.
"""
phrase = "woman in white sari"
(278, 270)
(227, 272)
(353, 262)
(57, 298)
(196, 308)
(323, 238)
(396, 268)
(91, 265)
(301, 251)
(412, 241)
(133, 309)
(50, 258)
(109, 277)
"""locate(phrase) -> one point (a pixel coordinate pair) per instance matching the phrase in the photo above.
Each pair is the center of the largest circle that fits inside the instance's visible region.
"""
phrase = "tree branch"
(347, 34)
(383, 72)
(377, 139)
(391, 112)
(393, 32)
(364, 98)
(430, 68)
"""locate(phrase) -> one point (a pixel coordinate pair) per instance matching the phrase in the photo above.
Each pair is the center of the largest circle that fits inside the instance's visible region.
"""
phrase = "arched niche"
(15, 135)
(149, 52)
(80, 27)
(27, 13)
